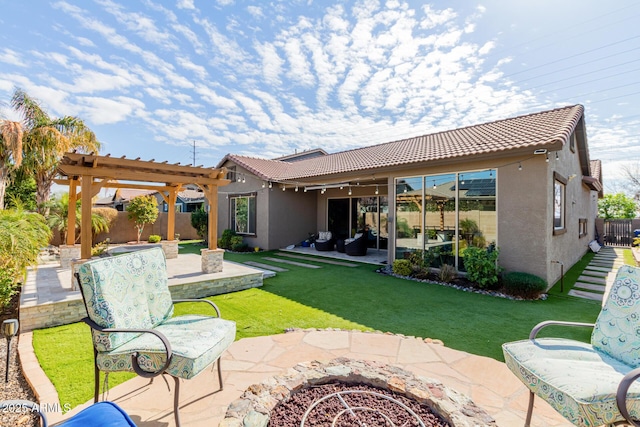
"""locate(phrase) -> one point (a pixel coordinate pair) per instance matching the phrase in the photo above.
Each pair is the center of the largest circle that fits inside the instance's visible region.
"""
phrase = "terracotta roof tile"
(535, 130)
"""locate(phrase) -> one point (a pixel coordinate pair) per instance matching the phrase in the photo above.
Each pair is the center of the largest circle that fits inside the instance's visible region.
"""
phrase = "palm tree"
(58, 216)
(10, 152)
(46, 139)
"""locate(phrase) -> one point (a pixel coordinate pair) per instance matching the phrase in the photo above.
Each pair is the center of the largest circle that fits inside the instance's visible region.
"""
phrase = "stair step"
(590, 286)
(586, 295)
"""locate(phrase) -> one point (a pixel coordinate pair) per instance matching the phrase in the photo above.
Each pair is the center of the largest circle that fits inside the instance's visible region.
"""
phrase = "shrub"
(402, 267)
(236, 244)
(481, 265)
(8, 286)
(200, 221)
(447, 273)
(100, 248)
(523, 284)
(154, 238)
(416, 258)
(224, 241)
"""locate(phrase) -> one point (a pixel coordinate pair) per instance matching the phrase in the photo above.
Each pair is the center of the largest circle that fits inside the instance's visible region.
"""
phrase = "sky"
(198, 79)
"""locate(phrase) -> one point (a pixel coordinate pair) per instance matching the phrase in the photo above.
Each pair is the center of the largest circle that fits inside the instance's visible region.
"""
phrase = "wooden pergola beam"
(84, 169)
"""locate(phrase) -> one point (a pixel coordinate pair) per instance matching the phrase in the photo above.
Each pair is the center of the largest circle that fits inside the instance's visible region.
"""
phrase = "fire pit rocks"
(254, 407)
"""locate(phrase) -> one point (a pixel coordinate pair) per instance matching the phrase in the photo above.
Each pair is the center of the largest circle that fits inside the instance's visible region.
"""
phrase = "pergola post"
(85, 210)
(71, 214)
(212, 219)
(172, 198)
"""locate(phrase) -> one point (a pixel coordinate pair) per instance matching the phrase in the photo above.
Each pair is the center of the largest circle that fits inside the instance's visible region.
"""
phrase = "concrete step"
(602, 269)
(266, 266)
(591, 279)
(317, 259)
(286, 261)
(590, 287)
(585, 294)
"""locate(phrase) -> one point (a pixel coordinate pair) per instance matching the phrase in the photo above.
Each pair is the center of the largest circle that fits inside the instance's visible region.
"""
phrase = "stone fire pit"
(252, 409)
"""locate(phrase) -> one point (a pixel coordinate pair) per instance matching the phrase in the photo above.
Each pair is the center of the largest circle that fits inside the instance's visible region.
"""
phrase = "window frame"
(582, 227)
(559, 199)
(251, 219)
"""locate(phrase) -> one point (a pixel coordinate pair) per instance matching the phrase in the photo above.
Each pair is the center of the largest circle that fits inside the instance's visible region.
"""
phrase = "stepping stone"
(326, 261)
(590, 279)
(585, 294)
(590, 287)
(602, 269)
(266, 266)
(286, 261)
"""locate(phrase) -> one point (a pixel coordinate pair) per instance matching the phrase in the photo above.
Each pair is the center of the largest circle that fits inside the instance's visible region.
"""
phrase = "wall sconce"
(9, 330)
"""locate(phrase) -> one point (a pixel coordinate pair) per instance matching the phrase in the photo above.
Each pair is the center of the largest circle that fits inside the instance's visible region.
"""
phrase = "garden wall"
(123, 230)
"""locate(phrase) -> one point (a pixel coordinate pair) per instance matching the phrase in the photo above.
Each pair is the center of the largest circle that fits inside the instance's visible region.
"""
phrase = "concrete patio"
(248, 361)
(252, 360)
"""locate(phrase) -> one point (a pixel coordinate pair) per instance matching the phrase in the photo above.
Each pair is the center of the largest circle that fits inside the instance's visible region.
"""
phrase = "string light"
(405, 188)
(283, 187)
(305, 189)
(557, 156)
(296, 188)
(270, 184)
(350, 190)
(546, 158)
(519, 166)
(462, 179)
(377, 191)
(263, 184)
(434, 185)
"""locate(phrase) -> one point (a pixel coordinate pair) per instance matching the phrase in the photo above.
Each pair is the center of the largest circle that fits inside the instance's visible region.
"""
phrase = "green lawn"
(338, 297)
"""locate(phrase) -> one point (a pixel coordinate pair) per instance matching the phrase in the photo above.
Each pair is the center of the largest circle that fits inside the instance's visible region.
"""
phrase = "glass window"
(559, 196)
(444, 214)
(582, 227)
(243, 214)
(478, 219)
(409, 202)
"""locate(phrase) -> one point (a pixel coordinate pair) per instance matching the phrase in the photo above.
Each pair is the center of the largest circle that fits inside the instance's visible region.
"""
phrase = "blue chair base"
(101, 414)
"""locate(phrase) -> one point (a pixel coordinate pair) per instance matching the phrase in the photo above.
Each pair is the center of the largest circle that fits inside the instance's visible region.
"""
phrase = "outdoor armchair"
(589, 384)
(358, 245)
(130, 312)
(325, 241)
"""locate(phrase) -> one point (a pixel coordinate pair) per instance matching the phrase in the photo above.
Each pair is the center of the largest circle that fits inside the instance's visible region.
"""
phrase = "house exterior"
(525, 185)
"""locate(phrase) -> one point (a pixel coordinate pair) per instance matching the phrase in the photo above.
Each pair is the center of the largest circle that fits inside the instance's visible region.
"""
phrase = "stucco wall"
(282, 217)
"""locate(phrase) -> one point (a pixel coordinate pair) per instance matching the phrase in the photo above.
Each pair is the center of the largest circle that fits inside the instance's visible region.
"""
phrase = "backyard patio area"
(415, 318)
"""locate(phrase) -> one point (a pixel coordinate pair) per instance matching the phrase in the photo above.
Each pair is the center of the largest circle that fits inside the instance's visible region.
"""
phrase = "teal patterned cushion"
(152, 272)
(575, 379)
(617, 330)
(125, 291)
(196, 342)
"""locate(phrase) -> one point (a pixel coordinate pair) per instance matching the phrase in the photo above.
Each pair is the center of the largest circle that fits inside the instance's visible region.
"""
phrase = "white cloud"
(101, 110)
(225, 2)
(255, 11)
(185, 4)
(12, 57)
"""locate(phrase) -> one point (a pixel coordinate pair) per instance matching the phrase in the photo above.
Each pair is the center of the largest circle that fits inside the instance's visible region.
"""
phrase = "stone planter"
(67, 254)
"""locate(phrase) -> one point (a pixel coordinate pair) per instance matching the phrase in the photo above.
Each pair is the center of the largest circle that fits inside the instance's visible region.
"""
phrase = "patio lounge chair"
(325, 241)
(589, 384)
(357, 246)
(101, 414)
(129, 293)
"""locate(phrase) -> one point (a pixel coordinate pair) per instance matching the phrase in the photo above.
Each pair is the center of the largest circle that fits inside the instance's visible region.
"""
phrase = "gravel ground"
(15, 388)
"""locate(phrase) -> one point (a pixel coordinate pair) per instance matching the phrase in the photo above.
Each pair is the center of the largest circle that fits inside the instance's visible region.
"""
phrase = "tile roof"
(537, 130)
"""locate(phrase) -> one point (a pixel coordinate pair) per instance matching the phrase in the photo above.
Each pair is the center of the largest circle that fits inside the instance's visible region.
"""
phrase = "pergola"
(91, 173)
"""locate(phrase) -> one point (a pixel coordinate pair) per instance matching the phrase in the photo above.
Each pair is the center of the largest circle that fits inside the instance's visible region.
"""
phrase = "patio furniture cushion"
(111, 288)
(616, 331)
(101, 414)
(574, 378)
(196, 342)
(324, 235)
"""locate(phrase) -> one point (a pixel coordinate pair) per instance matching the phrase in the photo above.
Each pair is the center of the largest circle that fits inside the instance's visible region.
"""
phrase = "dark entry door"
(339, 218)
